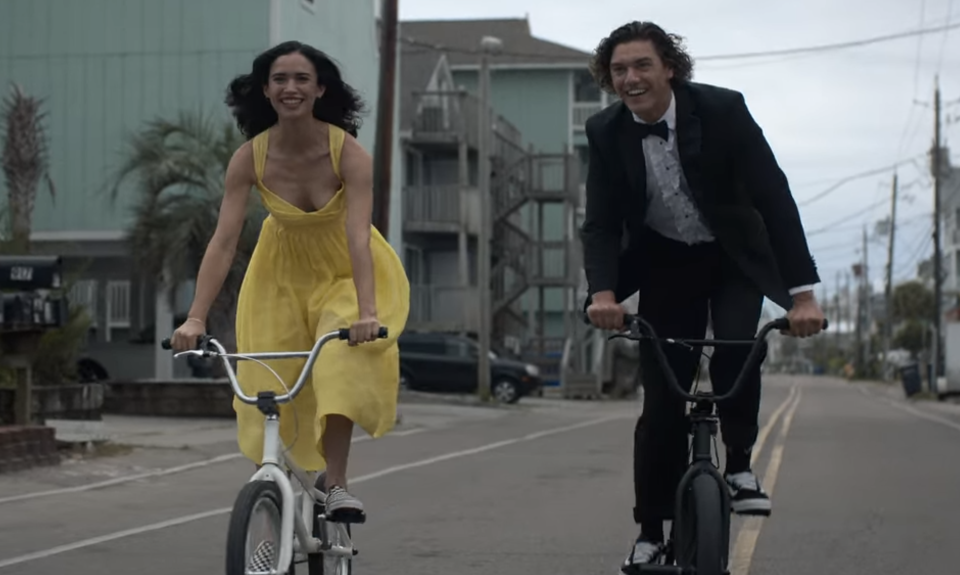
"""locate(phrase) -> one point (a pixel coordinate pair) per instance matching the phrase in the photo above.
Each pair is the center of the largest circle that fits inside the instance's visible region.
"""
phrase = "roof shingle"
(461, 40)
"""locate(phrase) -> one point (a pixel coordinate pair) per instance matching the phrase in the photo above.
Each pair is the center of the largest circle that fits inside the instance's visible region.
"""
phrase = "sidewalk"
(893, 391)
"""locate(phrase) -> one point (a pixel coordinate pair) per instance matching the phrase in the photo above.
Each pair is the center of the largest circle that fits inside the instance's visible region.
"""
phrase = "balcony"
(448, 117)
(582, 111)
(444, 308)
(441, 209)
(551, 263)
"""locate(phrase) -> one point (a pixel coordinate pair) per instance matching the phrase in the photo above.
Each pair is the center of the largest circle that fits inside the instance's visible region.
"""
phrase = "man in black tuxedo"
(687, 206)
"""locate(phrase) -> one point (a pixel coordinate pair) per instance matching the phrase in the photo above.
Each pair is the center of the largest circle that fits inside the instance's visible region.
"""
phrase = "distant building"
(540, 97)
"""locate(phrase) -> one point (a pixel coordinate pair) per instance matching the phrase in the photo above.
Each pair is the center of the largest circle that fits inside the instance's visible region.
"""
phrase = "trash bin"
(910, 377)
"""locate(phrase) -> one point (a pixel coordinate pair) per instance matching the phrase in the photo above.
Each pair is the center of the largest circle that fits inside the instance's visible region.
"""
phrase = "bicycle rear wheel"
(262, 551)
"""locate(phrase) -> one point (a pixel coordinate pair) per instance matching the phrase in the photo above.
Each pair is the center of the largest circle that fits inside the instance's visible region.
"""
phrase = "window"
(585, 88)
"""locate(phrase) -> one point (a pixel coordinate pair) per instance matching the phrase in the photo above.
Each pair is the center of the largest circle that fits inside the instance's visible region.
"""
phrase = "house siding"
(104, 67)
(537, 102)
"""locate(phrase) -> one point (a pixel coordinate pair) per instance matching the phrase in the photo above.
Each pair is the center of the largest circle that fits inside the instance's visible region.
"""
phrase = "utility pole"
(488, 45)
(383, 149)
(888, 288)
(838, 329)
(861, 310)
(937, 257)
(867, 305)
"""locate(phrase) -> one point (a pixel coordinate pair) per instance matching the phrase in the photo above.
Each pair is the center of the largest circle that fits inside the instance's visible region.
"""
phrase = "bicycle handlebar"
(208, 346)
(640, 329)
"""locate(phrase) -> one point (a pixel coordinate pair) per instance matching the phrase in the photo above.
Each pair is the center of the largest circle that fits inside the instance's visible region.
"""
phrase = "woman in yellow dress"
(319, 265)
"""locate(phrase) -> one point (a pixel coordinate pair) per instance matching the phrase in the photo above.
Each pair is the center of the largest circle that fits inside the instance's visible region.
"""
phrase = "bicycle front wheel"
(710, 544)
(253, 537)
(330, 563)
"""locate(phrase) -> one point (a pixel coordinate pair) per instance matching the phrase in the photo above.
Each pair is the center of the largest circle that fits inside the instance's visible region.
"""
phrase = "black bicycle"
(699, 543)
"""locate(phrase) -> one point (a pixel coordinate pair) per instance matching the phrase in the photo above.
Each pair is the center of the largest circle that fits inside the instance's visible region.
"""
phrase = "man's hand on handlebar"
(806, 317)
(604, 311)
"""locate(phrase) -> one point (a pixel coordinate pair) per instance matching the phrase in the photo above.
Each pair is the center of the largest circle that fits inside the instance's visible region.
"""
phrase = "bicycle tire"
(247, 500)
(710, 543)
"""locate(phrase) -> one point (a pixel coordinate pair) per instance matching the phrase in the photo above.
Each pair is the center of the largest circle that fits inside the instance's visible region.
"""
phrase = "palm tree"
(25, 163)
(179, 167)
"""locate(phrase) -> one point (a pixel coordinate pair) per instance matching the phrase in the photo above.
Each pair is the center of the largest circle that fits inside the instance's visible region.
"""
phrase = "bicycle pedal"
(347, 516)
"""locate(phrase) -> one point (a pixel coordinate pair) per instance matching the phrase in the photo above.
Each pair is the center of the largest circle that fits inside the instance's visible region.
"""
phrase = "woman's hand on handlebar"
(365, 329)
(186, 336)
(605, 313)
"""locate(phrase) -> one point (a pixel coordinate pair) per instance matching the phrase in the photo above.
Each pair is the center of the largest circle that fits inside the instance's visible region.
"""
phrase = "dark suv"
(443, 362)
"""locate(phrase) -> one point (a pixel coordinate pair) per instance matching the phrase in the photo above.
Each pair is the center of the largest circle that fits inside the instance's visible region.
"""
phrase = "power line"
(848, 179)
(835, 46)
(858, 214)
(410, 41)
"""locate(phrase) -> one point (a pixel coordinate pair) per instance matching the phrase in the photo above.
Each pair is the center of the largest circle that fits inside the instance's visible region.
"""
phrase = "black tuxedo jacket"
(735, 180)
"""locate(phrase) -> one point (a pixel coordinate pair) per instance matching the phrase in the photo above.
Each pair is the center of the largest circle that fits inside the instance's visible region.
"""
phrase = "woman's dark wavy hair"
(340, 104)
(668, 46)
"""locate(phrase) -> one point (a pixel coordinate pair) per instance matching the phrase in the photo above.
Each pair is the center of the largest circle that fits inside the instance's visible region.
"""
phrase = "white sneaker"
(746, 495)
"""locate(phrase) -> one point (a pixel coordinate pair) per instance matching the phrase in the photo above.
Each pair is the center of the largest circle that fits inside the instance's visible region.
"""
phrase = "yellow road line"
(771, 423)
(742, 554)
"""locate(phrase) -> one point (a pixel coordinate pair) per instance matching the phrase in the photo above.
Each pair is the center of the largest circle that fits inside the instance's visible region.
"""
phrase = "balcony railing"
(582, 111)
(444, 308)
(446, 207)
(453, 115)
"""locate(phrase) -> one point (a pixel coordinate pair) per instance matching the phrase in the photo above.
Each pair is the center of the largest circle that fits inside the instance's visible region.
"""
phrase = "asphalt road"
(862, 483)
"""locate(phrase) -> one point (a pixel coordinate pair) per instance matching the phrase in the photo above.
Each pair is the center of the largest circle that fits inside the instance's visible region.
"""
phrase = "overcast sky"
(827, 115)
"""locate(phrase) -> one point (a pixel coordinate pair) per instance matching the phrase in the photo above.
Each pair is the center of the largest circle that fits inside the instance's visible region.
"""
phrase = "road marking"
(746, 544)
(167, 471)
(111, 537)
(361, 479)
(762, 436)
(136, 477)
(912, 410)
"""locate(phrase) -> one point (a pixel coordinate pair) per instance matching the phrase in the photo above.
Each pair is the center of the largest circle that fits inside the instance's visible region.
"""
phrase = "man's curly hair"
(668, 46)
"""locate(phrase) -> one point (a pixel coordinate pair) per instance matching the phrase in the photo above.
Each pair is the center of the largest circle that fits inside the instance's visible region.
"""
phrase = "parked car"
(441, 362)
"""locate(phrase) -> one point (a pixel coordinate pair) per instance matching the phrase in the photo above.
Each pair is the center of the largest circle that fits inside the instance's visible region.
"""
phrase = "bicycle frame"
(295, 507)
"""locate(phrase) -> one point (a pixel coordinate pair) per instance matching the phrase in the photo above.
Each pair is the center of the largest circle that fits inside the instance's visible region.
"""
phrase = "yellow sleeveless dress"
(299, 286)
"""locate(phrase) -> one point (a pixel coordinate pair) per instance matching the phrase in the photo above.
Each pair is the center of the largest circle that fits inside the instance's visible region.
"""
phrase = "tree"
(25, 163)
(912, 301)
(913, 306)
(912, 336)
(178, 167)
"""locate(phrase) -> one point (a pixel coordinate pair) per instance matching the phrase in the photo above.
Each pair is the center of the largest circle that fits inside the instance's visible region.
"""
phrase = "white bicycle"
(325, 545)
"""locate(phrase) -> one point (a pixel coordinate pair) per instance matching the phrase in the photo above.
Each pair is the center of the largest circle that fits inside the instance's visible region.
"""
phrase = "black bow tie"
(658, 129)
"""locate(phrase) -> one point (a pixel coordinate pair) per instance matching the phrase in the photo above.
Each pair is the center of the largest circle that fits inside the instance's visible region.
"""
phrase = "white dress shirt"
(671, 211)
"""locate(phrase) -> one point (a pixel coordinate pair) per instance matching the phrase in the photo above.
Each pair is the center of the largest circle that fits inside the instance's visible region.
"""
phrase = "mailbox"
(29, 297)
(29, 273)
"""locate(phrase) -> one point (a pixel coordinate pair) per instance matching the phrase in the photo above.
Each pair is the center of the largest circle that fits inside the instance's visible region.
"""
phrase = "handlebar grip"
(783, 323)
(165, 343)
(345, 333)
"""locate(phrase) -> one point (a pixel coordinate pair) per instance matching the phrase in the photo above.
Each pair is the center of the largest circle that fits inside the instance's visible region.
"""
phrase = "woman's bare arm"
(356, 166)
(223, 245)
